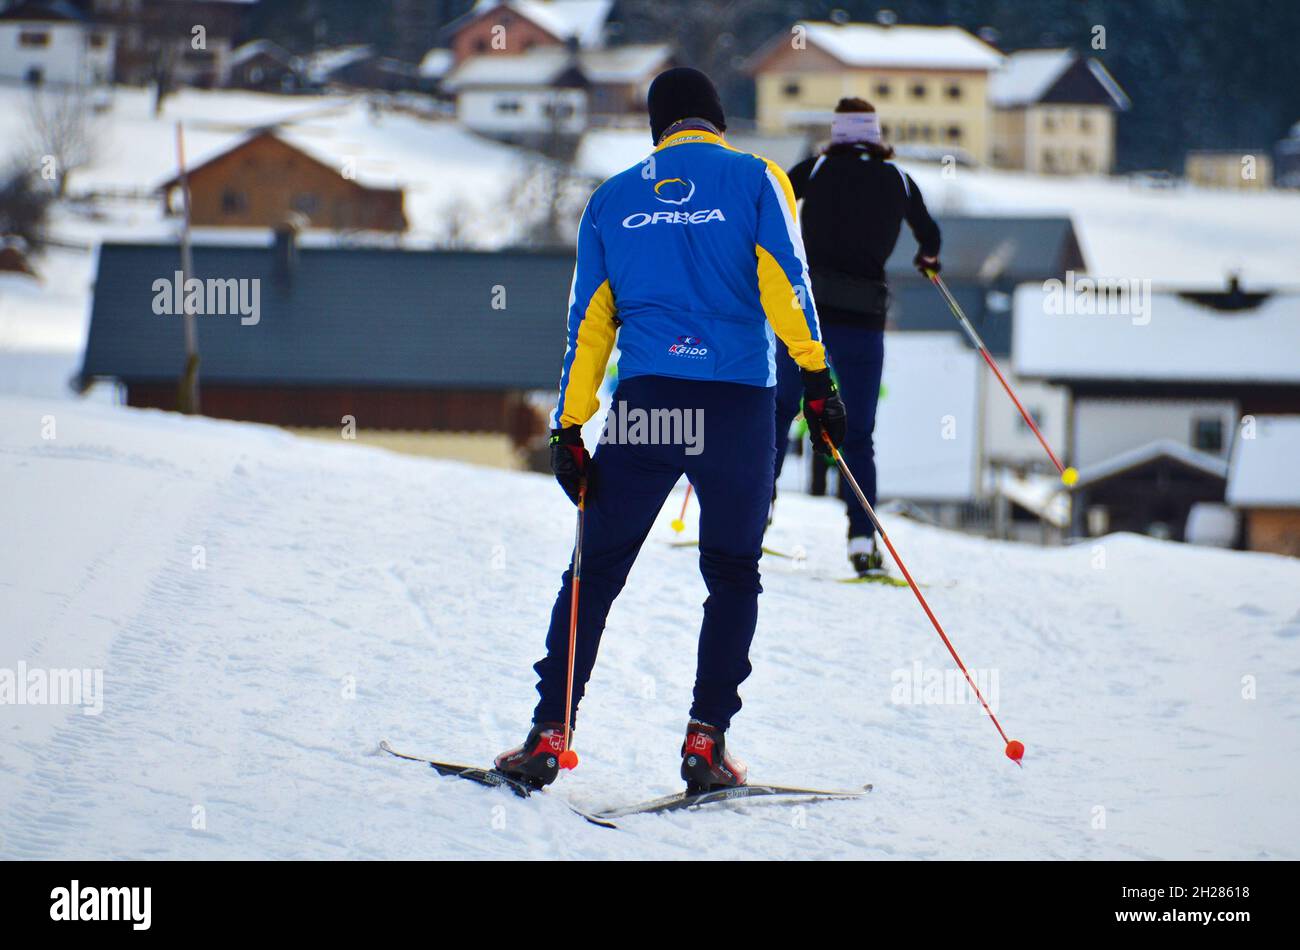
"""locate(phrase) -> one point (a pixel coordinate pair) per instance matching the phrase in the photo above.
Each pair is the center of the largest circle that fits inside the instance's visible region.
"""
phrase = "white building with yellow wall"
(1054, 113)
(929, 84)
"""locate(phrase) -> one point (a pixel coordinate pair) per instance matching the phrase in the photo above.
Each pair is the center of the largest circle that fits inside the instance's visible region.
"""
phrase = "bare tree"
(62, 131)
(456, 216)
(546, 198)
(24, 203)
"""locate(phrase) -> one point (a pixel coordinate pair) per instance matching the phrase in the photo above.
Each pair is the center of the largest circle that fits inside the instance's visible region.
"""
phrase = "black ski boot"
(705, 763)
(865, 557)
(537, 762)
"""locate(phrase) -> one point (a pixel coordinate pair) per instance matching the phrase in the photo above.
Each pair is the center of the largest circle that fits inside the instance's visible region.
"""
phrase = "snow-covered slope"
(425, 586)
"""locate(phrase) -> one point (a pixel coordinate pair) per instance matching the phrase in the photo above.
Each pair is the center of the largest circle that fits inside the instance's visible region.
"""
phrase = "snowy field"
(343, 595)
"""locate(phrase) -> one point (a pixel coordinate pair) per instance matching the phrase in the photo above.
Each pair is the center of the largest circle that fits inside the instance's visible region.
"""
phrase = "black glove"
(924, 264)
(823, 409)
(570, 461)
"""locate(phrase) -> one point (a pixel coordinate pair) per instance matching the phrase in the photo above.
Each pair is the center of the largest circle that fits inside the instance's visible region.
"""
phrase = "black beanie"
(682, 93)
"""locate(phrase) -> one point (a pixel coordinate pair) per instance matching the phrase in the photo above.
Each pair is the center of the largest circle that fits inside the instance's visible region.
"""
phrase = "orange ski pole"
(1014, 749)
(1068, 475)
(569, 758)
(679, 523)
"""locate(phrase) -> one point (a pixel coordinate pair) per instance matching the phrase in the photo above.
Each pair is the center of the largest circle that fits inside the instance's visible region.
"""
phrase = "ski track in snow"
(426, 586)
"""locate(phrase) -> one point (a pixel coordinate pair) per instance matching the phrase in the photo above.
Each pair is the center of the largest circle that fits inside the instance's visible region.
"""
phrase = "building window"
(33, 39)
(1049, 160)
(884, 130)
(953, 91)
(508, 106)
(954, 133)
(882, 90)
(233, 202)
(791, 90)
(97, 41)
(1085, 161)
(918, 90)
(1085, 124)
(1035, 413)
(1049, 122)
(305, 203)
(1207, 435)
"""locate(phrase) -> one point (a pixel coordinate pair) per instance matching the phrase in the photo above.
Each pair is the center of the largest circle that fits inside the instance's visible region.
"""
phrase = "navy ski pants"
(857, 354)
(732, 476)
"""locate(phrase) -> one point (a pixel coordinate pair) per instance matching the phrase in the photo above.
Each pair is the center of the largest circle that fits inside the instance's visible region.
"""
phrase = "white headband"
(851, 127)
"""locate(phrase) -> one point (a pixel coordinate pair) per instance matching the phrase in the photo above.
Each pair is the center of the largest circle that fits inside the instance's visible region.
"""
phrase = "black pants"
(732, 475)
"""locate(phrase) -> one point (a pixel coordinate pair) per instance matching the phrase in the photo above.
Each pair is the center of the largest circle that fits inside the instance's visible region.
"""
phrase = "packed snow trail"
(266, 608)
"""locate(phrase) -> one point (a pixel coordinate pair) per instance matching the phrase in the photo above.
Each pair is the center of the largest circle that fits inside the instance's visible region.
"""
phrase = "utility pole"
(187, 396)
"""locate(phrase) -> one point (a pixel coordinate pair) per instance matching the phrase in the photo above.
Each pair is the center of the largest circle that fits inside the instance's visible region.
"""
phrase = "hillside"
(425, 586)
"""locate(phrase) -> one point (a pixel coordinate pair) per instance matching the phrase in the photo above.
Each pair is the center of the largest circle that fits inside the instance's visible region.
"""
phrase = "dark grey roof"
(349, 316)
(997, 249)
(980, 255)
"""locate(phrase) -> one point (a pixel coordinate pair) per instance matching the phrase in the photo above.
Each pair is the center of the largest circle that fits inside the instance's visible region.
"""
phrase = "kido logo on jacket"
(689, 347)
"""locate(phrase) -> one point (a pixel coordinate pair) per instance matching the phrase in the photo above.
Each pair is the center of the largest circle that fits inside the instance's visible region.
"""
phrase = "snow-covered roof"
(325, 62)
(1027, 74)
(1041, 495)
(624, 64)
(583, 20)
(1160, 448)
(1263, 471)
(253, 48)
(1107, 81)
(542, 65)
(1174, 339)
(867, 45)
(436, 62)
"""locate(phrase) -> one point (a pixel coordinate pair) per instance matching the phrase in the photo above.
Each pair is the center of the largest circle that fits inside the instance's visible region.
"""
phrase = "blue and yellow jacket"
(693, 262)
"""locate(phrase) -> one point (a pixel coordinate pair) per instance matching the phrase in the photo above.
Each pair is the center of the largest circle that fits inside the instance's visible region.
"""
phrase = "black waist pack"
(836, 290)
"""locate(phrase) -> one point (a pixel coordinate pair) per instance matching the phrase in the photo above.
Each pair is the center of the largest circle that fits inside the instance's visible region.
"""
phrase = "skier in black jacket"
(854, 204)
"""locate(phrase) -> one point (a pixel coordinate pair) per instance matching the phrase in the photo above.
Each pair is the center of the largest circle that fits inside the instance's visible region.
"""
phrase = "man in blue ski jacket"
(692, 262)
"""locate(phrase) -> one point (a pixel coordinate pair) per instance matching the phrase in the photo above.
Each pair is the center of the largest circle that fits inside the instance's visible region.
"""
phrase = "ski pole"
(1015, 749)
(569, 758)
(1068, 475)
(679, 523)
